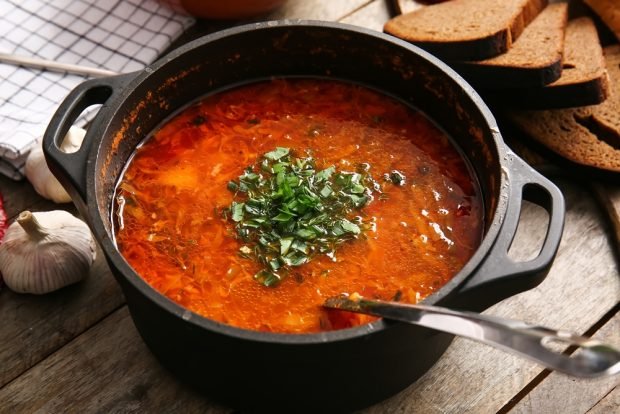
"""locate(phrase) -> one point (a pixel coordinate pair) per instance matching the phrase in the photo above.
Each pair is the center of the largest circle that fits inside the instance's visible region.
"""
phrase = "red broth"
(173, 232)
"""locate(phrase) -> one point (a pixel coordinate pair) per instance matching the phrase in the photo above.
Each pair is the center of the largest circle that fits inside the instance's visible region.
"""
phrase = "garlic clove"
(43, 252)
(73, 139)
(38, 173)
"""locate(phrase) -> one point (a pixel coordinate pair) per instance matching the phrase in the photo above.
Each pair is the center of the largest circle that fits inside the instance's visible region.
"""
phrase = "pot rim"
(123, 268)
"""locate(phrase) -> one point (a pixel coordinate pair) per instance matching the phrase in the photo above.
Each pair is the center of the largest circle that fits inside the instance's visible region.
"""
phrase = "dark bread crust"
(482, 48)
(506, 77)
(589, 135)
(534, 60)
(466, 29)
(591, 92)
(583, 81)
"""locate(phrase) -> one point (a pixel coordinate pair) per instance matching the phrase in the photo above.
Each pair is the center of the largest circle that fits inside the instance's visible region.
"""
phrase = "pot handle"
(70, 168)
(499, 276)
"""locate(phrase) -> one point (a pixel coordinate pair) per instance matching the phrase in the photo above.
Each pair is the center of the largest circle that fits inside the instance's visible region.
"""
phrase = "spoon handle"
(592, 359)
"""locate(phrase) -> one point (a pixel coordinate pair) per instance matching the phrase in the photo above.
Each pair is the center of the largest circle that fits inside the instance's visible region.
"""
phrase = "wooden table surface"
(77, 350)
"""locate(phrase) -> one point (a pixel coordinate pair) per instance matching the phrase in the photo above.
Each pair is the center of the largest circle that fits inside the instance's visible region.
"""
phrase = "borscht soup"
(253, 205)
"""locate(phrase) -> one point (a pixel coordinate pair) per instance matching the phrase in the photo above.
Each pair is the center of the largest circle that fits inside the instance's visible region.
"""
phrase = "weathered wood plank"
(609, 404)
(372, 16)
(33, 327)
(20, 195)
(317, 9)
(406, 6)
(107, 369)
(560, 393)
(582, 286)
(609, 198)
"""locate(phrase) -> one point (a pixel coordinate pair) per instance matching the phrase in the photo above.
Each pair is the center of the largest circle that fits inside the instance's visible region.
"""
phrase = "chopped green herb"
(267, 278)
(295, 259)
(276, 154)
(286, 211)
(350, 227)
(300, 246)
(396, 177)
(326, 191)
(306, 234)
(233, 186)
(285, 244)
(236, 210)
(274, 264)
(325, 174)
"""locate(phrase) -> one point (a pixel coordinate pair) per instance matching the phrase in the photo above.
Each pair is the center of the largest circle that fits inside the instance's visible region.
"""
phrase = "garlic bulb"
(39, 174)
(42, 252)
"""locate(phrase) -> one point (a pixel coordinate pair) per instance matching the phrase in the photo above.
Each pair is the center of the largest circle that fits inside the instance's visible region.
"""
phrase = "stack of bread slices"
(545, 72)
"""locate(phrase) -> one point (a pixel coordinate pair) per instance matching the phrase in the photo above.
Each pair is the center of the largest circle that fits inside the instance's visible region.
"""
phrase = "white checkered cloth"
(118, 35)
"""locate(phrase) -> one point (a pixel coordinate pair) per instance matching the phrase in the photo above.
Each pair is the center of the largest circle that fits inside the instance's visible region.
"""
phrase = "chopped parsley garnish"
(286, 211)
(396, 177)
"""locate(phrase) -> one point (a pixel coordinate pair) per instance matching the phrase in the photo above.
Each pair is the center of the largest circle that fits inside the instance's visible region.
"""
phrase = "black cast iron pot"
(332, 371)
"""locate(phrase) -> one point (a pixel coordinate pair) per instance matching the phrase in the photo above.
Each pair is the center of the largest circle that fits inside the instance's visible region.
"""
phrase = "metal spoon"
(593, 359)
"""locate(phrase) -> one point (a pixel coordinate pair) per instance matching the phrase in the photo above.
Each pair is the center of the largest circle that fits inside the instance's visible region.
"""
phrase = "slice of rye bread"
(588, 136)
(466, 29)
(584, 80)
(534, 60)
(609, 12)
